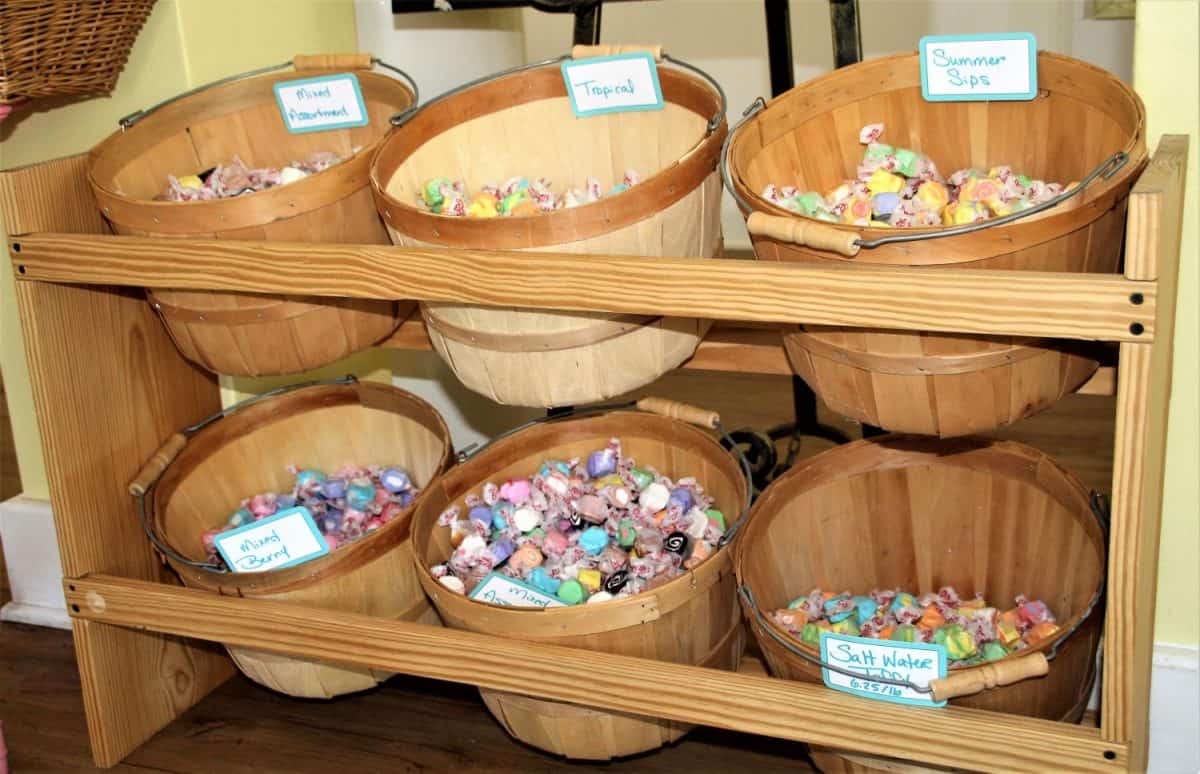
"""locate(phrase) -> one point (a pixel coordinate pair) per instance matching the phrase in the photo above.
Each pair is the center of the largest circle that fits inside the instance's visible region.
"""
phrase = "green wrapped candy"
(906, 161)
(905, 633)
(571, 592)
(846, 626)
(808, 203)
(716, 517)
(993, 651)
(878, 151)
(641, 478)
(958, 643)
(512, 200)
(811, 634)
(431, 194)
(826, 215)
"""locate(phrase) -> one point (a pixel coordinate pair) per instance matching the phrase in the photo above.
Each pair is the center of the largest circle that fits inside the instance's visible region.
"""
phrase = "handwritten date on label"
(500, 589)
(317, 104)
(612, 84)
(287, 538)
(914, 662)
(958, 68)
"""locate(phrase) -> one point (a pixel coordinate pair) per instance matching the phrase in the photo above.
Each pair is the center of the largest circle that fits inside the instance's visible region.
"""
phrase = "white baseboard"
(1175, 710)
(34, 570)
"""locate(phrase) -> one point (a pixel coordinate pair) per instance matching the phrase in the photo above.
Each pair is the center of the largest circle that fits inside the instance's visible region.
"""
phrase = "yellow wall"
(184, 44)
(1165, 67)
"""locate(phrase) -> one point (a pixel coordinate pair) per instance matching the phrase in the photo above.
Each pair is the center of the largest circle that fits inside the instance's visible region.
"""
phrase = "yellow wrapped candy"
(482, 206)
(882, 181)
(961, 213)
(191, 181)
(933, 195)
(590, 579)
(879, 224)
(979, 189)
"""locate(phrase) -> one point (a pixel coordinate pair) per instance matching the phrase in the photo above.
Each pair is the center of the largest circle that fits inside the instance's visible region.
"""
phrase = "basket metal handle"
(153, 470)
(657, 51)
(1105, 169)
(299, 62)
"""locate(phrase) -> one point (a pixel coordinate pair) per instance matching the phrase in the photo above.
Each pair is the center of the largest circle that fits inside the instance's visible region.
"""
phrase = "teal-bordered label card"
(966, 68)
(319, 104)
(287, 538)
(916, 662)
(499, 589)
(613, 84)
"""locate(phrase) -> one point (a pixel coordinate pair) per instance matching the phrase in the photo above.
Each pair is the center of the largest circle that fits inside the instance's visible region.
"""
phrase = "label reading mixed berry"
(287, 538)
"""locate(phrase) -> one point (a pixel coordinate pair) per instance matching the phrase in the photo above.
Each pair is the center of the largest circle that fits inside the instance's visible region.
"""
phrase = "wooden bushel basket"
(990, 517)
(199, 477)
(691, 620)
(520, 122)
(923, 382)
(251, 334)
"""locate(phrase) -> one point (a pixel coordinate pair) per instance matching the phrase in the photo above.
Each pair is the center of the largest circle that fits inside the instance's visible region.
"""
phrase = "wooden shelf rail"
(758, 705)
(110, 387)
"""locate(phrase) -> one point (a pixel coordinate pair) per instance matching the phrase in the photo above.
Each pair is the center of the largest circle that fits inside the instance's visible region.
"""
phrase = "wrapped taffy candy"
(235, 178)
(516, 197)
(582, 530)
(345, 505)
(901, 188)
(971, 630)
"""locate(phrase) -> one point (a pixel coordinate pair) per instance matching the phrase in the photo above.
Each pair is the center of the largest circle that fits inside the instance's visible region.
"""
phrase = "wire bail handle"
(148, 477)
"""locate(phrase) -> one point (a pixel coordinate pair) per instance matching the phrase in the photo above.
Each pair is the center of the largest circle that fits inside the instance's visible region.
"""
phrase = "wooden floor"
(418, 725)
(10, 478)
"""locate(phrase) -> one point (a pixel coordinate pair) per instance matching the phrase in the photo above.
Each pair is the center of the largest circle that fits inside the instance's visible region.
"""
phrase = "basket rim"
(258, 416)
(1067, 629)
(468, 232)
(1135, 147)
(719, 561)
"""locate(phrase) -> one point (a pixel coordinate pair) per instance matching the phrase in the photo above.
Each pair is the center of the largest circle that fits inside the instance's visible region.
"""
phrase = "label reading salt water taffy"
(613, 84)
(958, 68)
(317, 104)
(289, 537)
(502, 590)
(915, 662)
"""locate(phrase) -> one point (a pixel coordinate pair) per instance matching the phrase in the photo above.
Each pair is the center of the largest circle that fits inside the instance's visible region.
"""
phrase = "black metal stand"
(587, 12)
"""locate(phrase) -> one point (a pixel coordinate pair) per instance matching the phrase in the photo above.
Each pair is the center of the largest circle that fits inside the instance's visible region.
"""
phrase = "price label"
(958, 68)
(318, 104)
(613, 84)
(287, 538)
(502, 590)
(915, 662)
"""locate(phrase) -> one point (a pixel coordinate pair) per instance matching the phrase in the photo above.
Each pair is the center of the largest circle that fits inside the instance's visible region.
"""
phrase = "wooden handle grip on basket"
(1006, 672)
(332, 61)
(587, 52)
(681, 411)
(157, 464)
(803, 232)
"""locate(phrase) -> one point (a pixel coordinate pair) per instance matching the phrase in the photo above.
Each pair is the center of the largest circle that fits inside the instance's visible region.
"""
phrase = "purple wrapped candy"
(331, 521)
(333, 488)
(885, 203)
(500, 550)
(404, 498)
(395, 480)
(681, 497)
(285, 501)
(481, 514)
(602, 463)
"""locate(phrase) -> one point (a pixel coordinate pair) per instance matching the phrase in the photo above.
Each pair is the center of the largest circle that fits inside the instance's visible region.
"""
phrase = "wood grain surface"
(1082, 306)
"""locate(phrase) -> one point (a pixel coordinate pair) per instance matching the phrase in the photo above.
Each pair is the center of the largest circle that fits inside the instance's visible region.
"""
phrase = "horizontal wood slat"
(747, 703)
(1079, 306)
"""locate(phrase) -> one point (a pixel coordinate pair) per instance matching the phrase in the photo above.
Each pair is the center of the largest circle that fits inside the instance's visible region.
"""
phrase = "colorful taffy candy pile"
(517, 196)
(235, 178)
(582, 531)
(901, 188)
(345, 505)
(970, 629)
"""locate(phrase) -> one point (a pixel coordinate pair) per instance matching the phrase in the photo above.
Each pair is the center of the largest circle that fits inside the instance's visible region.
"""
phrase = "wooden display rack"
(110, 388)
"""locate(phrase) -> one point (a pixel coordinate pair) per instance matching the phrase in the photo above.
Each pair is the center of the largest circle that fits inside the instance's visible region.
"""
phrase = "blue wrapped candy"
(502, 513)
(540, 579)
(394, 480)
(864, 609)
(360, 495)
(593, 540)
(681, 497)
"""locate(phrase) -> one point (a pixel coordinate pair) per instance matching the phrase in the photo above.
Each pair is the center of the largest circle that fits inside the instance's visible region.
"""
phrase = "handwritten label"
(613, 84)
(502, 590)
(916, 662)
(317, 104)
(957, 68)
(289, 537)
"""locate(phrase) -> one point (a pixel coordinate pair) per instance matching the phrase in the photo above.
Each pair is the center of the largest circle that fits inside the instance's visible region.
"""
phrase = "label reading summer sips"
(289, 537)
(915, 662)
(964, 68)
(317, 104)
(612, 84)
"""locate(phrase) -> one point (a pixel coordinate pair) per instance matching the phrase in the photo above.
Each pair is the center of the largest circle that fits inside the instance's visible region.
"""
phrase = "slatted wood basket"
(51, 48)
(206, 474)
(521, 123)
(250, 334)
(692, 619)
(931, 383)
(990, 517)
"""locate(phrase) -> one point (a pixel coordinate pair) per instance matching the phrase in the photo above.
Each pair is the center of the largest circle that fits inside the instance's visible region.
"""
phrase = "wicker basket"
(206, 473)
(521, 121)
(50, 48)
(927, 382)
